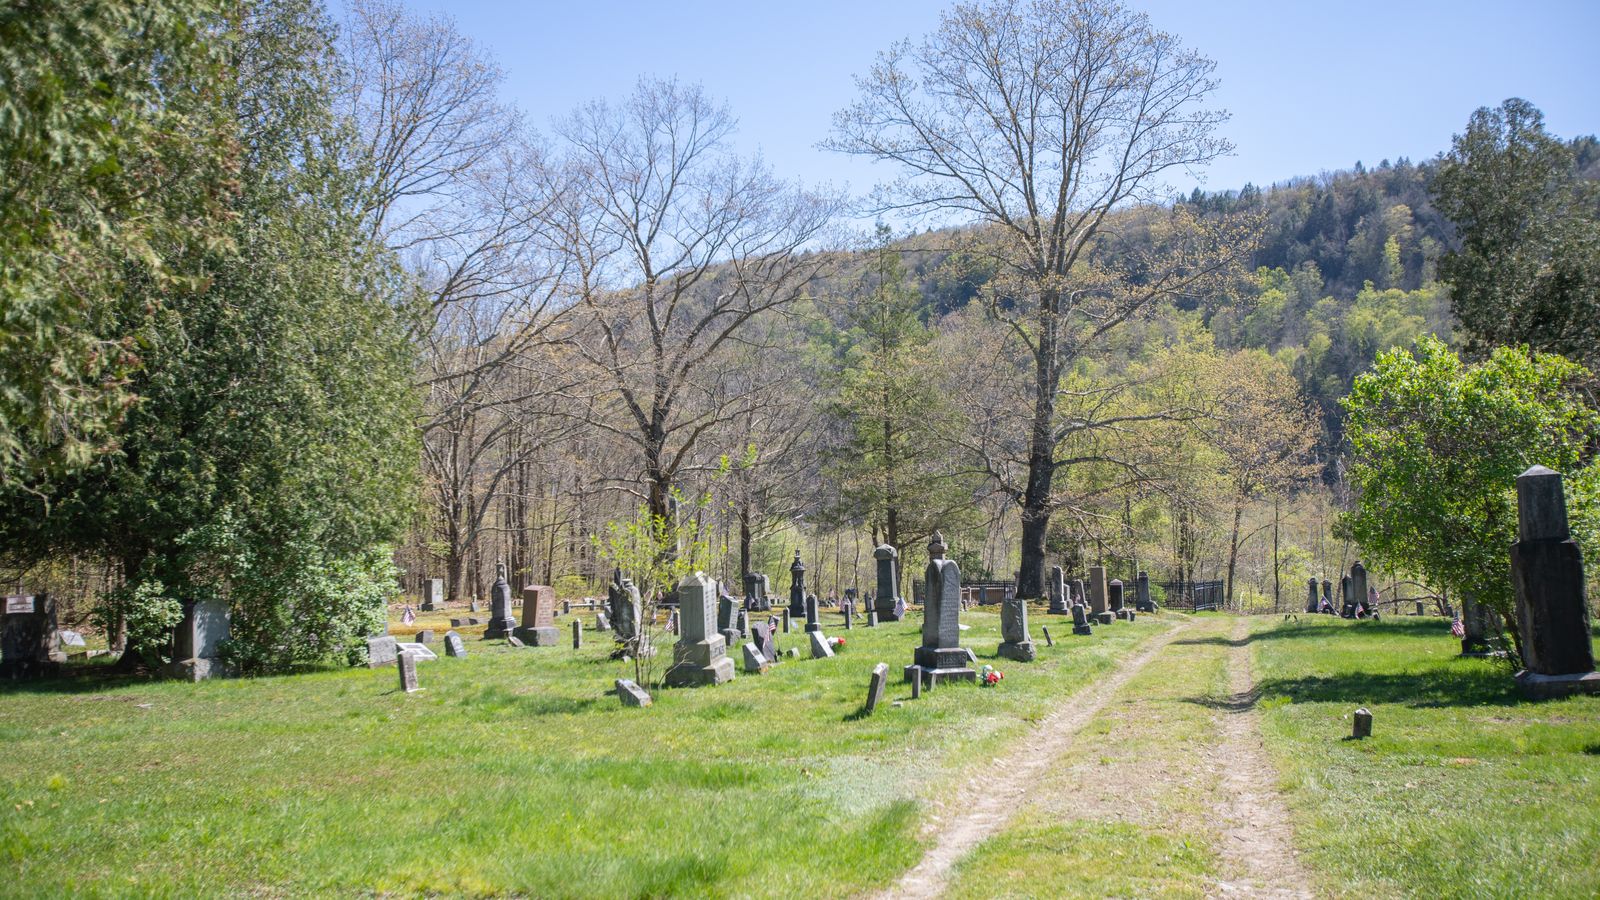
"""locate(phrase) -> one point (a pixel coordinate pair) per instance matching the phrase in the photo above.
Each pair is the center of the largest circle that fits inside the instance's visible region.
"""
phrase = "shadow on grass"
(1434, 689)
(1359, 630)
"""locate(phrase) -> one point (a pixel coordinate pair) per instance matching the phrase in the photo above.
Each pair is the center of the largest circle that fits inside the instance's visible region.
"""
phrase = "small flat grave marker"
(631, 694)
(819, 646)
(419, 652)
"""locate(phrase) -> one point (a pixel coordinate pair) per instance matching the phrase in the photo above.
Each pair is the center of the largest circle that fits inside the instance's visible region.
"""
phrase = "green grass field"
(513, 771)
(1464, 789)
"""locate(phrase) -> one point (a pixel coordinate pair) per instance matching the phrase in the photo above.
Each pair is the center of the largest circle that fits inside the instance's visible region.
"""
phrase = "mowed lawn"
(1464, 789)
(512, 772)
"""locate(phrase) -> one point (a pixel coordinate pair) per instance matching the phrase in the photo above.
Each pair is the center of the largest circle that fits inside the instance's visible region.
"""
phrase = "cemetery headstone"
(700, 656)
(916, 682)
(1048, 641)
(1099, 608)
(755, 591)
(887, 601)
(1080, 619)
(406, 661)
(601, 621)
(1358, 586)
(1362, 728)
(432, 594)
(819, 645)
(577, 635)
(1552, 610)
(1015, 644)
(418, 651)
(728, 620)
(1327, 595)
(797, 588)
(761, 636)
(381, 651)
(941, 654)
(786, 620)
(197, 644)
(27, 637)
(454, 645)
(1116, 600)
(1060, 605)
(457, 623)
(1142, 600)
(813, 623)
(472, 605)
(538, 627)
(875, 685)
(872, 617)
(754, 662)
(514, 641)
(631, 694)
(425, 636)
(501, 623)
(742, 623)
(1311, 595)
(849, 615)
(1478, 622)
(1347, 610)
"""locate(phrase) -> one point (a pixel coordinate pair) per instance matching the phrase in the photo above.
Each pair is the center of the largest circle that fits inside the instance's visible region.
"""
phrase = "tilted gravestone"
(602, 622)
(886, 601)
(406, 662)
(1048, 641)
(754, 662)
(501, 623)
(1552, 611)
(631, 694)
(820, 649)
(27, 637)
(381, 651)
(875, 686)
(432, 594)
(1099, 610)
(761, 636)
(538, 628)
(797, 588)
(941, 655)
(1015, 643)
(700, 655)
(454, 645)
(1141, 588)
(1059, 604)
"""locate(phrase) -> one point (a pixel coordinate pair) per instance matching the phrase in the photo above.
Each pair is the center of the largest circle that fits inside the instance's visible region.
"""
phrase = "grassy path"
(1257, 855)
(987, 800)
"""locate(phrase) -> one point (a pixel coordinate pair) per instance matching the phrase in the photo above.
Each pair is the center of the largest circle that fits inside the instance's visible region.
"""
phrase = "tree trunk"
(1277, 580)
(1041, 456)
(1233, 548)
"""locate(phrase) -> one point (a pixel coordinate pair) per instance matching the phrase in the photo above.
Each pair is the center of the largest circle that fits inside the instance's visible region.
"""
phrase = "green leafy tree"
(115, 159)
(1528, 271)
(1437, 445)
(270, 455)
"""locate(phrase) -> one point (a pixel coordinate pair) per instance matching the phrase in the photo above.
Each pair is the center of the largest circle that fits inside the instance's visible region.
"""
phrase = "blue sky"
(1311, 86)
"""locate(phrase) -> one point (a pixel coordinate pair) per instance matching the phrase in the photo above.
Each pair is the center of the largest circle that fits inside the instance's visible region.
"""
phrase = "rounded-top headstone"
(885, 551)
(1541, 506)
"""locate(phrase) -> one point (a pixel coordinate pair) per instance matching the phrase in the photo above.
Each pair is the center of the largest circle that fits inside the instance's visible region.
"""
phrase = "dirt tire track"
(986, 801)
(1258, 855)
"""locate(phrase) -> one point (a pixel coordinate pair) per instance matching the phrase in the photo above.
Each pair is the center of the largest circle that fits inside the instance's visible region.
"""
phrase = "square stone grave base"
(548, 636)
(1549, 687)
(689, 674)
(1021, 651)
(197, 668)
(1082, 629)
(1125, 615)
(932, 677)
(1104, 618)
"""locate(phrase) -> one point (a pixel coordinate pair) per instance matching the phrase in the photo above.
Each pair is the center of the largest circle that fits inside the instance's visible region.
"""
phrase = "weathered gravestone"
(1060, 604)
(941, 655)
(820, 648)
(797, 588)
(602, 622)
(1099, 610)
(538, 627)
(1478, 622)
(454, 645)
(1311, 595)
(1048, 641)
(514, 641)
(1080, 619)
(886, 602)
(27, 637)
(1358, 587)
(813, 623)
(1327, 595)
(197, 642)
(1347, 600)
(631, 694)
(381, 651)
(419, 652)
(875, 685)
(1115, 599)
(425, 636)
(501, 622)
(432, 594)
(1015, 643)
(754, 662)
(849, 615)
(1552, 611)
(700, 655)
(1142, 601)
(761, 636)
(872, 616)
(577, 635)
(406, 661)
(755, 593)
(728, 621)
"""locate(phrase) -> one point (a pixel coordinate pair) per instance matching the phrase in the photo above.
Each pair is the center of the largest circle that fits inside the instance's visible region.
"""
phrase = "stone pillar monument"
(197, 647)
(501, 623)
(1099, 606)
(27, 635)
(1059, 604)
(1311, 596)
(538, 617)
(941, 655)
(797, 588)
(884, 601)
(1141, 587)
(1358, 586)
(1327, 594)
(700, 656)
(432, 594)
(1552, 610)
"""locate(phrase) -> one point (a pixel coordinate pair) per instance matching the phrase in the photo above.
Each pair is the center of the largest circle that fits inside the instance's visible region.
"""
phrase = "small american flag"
(408, 616)
(1458, 629)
